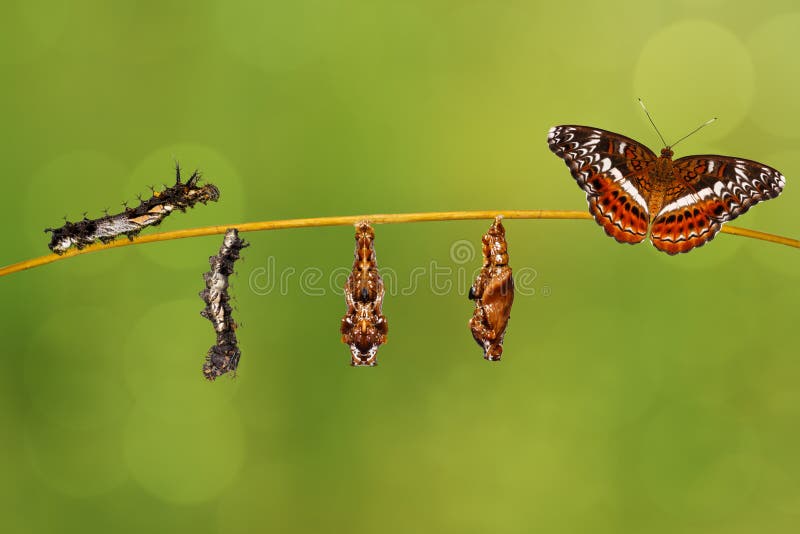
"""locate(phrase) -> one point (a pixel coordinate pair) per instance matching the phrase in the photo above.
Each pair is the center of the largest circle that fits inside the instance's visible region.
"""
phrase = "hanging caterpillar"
(222, 357)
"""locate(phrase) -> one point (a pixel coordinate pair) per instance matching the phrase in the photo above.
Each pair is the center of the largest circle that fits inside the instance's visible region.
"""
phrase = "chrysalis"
(130, 222)
(493, 293)
(224, 356)
(364, 327)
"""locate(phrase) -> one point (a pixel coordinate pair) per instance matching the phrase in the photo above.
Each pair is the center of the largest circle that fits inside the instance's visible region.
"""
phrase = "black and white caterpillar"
(130, 222)
(223, 357)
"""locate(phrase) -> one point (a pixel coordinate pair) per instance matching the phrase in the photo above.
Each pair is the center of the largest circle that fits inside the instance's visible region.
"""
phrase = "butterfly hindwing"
(685, 223)
(711, 190)
(617, 212)
(609, 168)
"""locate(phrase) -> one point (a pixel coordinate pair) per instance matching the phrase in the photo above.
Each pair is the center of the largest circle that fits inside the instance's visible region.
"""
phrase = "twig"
(350, 220)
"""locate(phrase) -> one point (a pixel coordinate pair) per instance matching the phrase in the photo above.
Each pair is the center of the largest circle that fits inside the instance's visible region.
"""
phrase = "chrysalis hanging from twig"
(130, 222)
(223, 357)
(364, 327)
(493, 293)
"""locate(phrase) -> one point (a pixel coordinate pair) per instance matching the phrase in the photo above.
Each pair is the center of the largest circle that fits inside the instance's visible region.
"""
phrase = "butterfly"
(683, 203)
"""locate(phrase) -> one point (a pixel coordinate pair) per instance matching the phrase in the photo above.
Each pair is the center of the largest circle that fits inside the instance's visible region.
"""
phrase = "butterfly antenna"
(709, 121)
(653, 123)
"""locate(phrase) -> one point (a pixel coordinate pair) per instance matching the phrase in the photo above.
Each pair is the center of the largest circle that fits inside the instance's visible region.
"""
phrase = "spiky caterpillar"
(130, 222)
(224, 356)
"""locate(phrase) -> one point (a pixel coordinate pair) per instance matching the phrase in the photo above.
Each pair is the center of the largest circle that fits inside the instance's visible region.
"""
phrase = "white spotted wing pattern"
(683, 203)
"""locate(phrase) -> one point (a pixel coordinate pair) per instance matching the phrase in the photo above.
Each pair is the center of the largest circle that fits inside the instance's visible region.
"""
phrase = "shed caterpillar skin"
(364, 326)
(222, 357)
(493, 293)
(149, 212)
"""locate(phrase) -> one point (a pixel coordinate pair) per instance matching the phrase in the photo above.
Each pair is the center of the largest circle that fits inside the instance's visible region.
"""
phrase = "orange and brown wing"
(612, 170)
(712, 190)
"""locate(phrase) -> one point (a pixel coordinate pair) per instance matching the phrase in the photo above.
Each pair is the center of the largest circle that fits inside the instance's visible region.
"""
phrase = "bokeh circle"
(184, 461)
(30, 28)
(71, 371)
(691, 71)
(76, 461)
(69, 185)
(777, 80)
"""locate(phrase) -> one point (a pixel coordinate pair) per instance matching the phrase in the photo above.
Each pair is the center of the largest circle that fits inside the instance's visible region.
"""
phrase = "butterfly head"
(667, 152)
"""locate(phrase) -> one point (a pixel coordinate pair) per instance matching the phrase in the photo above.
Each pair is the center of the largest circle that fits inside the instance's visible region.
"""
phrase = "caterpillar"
(130, 222)
(222, 357)
(493, 293)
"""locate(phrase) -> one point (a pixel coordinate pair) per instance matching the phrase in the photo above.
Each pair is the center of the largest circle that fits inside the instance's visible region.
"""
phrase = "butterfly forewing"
(713, 190)
(612, 170)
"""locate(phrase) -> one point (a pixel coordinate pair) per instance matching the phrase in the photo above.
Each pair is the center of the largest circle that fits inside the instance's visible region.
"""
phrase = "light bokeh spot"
(68, 381)
(777, 105)
(29, 28)
(184, 461)
(69, 185)
(76, 461)
(681, 73)
(164, 370)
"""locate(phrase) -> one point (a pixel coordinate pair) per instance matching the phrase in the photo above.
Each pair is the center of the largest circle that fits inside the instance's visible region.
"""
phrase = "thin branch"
(350, 220)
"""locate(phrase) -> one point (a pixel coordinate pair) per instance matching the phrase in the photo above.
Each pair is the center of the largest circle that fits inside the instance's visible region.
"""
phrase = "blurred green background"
(638, 392)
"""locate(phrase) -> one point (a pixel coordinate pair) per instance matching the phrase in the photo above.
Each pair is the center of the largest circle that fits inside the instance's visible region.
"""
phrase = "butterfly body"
(657, 189)
(681, 203)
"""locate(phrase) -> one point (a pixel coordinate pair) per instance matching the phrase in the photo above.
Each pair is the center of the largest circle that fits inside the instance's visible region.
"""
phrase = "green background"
(638, 392)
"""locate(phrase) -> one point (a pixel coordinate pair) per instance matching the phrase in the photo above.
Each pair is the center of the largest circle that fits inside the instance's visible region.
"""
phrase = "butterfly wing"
(611, 169)
(710, 190)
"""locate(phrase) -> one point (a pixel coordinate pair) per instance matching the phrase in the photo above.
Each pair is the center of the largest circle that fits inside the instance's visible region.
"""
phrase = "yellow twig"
(352, 219)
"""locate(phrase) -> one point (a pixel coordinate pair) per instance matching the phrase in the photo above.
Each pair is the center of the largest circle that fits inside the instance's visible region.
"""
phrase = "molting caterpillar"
(224, 356)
